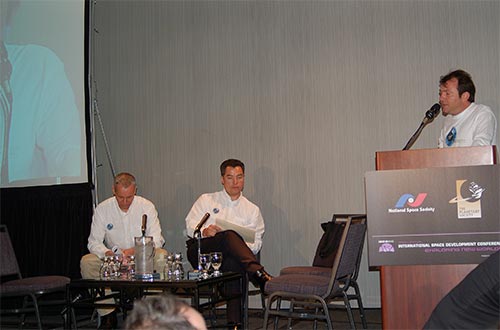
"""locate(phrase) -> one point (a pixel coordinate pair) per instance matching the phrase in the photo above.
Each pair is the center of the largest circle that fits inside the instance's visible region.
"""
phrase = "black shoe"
(260, 278)
(234, 326)
(109, 321)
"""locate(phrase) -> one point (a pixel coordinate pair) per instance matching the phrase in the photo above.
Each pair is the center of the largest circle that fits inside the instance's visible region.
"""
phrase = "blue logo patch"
(451, 136)
(109, 226)
(216, 210)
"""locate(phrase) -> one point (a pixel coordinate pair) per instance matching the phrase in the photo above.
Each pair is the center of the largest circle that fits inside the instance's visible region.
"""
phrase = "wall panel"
(304, 92)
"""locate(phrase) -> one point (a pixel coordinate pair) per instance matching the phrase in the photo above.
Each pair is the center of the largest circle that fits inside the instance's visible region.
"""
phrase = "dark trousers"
(236, 257)
(474, 303)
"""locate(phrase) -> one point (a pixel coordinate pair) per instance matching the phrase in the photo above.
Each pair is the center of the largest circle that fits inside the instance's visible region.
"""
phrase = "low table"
(211, 289)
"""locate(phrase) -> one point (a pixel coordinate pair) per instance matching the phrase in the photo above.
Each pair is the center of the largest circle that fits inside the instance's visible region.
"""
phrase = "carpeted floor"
(255, 321)
(339, 318)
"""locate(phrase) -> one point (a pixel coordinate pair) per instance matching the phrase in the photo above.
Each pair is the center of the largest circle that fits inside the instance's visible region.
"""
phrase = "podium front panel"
(433, 216)
(410, 293)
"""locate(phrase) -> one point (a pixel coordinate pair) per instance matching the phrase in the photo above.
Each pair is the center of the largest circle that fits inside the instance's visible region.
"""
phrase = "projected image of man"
(40, 127)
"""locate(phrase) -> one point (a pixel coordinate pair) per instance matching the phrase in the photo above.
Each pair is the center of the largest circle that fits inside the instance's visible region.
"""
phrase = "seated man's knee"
(159, 259)
(160, 252)
(89, 266)
(232, 235)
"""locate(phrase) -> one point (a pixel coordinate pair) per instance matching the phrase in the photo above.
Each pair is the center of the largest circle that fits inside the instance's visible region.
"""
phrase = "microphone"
(144, 223)
(429, 117)
(202, 222)
(116, 250)
(432, 113)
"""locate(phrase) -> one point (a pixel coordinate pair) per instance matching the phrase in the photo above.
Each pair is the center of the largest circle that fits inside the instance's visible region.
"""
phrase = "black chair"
(326, 269)
(310, 295)
(28, 290)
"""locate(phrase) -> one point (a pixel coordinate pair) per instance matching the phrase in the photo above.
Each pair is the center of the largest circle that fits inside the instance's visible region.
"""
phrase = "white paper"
(247, 234)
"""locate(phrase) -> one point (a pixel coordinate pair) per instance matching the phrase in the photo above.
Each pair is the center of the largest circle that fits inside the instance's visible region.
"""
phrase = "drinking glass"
(216, 261)
(205, 264)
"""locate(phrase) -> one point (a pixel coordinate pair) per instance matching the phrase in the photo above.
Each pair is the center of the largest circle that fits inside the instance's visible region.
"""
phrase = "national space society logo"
(408, 203)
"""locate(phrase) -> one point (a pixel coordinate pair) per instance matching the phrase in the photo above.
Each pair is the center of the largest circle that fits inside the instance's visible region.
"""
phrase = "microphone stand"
(415, 135)
(197, 234)
(429, 117)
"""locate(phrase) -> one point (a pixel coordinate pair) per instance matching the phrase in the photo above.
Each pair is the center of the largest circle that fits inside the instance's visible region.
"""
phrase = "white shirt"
(220, 206)
(45, 125)
(475, 126)
(113, 227)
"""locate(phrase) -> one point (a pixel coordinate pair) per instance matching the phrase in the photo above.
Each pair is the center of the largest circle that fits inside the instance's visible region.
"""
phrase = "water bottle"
(120, 263)
(113, 268)
(104, 272)
(131, 268)
(124, 267)
(178, 267)
(168, 271)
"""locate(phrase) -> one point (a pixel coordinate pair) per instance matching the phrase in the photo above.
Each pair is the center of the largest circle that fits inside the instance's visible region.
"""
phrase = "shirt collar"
(120, 210)
(466, 110)
(228, 199)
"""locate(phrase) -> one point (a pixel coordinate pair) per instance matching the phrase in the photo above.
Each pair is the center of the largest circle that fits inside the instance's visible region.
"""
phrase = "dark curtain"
(48, 226)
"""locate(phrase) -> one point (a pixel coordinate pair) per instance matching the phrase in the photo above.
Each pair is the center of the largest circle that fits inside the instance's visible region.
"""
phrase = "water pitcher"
(144, 257)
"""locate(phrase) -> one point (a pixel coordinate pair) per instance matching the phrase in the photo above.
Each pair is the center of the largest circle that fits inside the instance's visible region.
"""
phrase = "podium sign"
(433, 216)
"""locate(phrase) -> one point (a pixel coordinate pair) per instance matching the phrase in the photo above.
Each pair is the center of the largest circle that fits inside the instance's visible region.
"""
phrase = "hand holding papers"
(247, 234)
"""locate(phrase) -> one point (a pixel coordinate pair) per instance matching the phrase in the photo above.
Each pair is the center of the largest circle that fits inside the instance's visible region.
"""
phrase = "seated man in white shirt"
(231, 206)
(466, 123)
(116, 222)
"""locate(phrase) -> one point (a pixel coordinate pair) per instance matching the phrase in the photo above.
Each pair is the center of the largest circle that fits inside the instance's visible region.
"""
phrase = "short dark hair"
(231, 163)
(158, 312)
(465, 83)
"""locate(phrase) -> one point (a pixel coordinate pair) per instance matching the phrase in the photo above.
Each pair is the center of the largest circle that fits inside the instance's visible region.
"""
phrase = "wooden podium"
(410, 293)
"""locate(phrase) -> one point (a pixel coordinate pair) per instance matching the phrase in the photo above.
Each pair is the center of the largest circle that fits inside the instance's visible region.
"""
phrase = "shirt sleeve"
(194, 216)
(484, 133)
(58, 131)
(97, 233)
(153, 227)
(259, 232)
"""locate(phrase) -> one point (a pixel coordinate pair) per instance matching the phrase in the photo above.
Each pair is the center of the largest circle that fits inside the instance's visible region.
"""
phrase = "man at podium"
(466, 123)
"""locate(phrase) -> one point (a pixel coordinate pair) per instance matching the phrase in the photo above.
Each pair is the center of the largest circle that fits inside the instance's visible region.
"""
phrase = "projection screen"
(43, 95)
